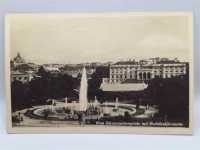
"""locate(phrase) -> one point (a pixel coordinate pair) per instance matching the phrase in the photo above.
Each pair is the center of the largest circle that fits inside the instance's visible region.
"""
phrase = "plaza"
(84, 111)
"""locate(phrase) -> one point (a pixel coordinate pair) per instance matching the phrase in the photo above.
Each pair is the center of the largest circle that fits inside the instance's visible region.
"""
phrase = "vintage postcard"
(99, 73)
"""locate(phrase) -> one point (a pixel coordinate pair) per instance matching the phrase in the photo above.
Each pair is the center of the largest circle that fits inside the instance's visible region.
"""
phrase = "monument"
(83, 101)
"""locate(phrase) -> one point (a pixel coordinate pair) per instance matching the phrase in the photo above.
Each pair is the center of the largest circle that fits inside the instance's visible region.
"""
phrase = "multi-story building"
(23, 71)
(18, 60)
(23, 77)
(129, 71)
(20, 64)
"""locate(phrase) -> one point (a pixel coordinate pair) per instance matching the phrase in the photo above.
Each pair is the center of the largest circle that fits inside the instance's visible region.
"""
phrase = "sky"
(79, 38)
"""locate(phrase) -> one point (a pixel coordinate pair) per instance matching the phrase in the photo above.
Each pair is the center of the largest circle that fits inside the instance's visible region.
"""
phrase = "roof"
(132, 81)
(17, 72)
(51, 69)
(125, 63)
(118, 87)
(168, 62)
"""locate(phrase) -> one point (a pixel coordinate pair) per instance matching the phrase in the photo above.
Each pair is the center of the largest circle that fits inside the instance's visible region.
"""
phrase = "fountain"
(66, 100)
(73, 111)
(83, 101)
(116, 103)
(96, 103)
(52, 105)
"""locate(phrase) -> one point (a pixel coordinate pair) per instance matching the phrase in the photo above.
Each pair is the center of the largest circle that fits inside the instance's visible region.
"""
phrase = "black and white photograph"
(99, 73)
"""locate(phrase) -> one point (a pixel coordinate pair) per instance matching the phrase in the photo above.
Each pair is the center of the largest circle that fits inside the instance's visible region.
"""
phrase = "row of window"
(20, 78)
(123, 76)
(181, 71)
(156, 71)
(174, 67)
(133, 69)
(141, 73)
(141, 76)
(170, 75)
(119, 71)
(116, 80)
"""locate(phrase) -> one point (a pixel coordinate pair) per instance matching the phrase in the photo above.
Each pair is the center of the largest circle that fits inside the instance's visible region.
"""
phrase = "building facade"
(18, 60)
(23, 77)
(131, 71)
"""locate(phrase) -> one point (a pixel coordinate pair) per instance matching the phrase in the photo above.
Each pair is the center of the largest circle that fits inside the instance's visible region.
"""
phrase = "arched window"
(148, 75)
(144, 76)
(140, 75)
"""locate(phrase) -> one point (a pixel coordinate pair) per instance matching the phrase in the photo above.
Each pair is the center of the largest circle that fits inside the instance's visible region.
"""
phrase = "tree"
(127, 116)
(53, 86)
(20, 95)
(96, 80)
(172, 97)
(42, 72)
